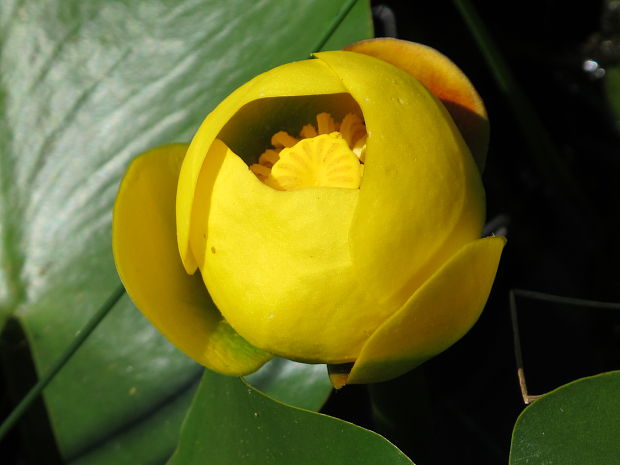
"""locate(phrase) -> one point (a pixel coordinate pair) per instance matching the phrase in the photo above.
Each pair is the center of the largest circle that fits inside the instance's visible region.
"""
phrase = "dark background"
(552, 180)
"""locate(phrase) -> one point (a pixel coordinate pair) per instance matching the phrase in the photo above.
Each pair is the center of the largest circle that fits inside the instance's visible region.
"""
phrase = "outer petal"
(421, 197)
(311, 274)
(444, 79)
(277, 263)
(309, 77)
(143, 239)
(435, 317)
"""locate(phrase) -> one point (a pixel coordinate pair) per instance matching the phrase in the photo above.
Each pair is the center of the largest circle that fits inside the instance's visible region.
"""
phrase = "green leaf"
(612, 87)
(232, 423)
(298, 384)
(85, 87)
(578, 423)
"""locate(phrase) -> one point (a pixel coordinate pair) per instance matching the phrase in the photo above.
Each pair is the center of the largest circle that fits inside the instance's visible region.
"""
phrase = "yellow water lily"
(328, 211)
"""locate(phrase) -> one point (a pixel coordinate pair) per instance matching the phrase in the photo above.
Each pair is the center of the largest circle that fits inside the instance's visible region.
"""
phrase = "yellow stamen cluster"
(330, 154)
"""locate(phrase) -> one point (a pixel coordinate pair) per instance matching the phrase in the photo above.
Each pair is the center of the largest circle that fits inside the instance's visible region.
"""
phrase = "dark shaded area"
(461, 406)
(580, 342)
(31, 441)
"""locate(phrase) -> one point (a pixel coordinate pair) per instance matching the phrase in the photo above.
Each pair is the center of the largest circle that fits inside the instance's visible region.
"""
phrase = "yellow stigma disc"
(319, 159)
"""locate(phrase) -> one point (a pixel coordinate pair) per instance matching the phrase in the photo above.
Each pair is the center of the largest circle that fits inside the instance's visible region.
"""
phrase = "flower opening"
(330, 154)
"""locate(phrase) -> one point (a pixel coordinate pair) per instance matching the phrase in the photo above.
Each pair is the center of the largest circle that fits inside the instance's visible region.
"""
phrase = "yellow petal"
(324, 161)
(292, 79)
(277, 263)
(444, 79)
(435, 317)
(311, 274)
(421, 197)
(145, 251)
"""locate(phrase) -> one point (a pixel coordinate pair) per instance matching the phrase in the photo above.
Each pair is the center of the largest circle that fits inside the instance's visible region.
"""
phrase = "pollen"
(330, 154)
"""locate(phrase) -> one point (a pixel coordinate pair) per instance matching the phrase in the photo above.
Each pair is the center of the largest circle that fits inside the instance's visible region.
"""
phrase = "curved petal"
(147, 260)
(421, 197)
(309, 77)
(435, 317)
(277, 263)
(444, 79)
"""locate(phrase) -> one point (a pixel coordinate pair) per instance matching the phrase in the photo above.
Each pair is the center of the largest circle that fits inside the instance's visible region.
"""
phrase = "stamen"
(352, 128)
(326, 123)
(269, 157)
(283, 139)
(261, 172)
(322, 161)
(308, 131)
(329, 155)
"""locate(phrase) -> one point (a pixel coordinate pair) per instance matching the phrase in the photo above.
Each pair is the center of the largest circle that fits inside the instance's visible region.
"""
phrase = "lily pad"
(86, 86)
(578, 423)
(298, 384)
(231, 422)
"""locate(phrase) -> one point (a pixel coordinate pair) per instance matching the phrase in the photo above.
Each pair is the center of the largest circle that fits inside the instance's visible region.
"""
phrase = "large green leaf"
(232, 423)
(299, 384)
(578, 423)
(85, 87)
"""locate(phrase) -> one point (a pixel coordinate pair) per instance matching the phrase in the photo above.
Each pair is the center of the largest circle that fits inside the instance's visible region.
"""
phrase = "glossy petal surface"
(310, 274)
(150, 268)
(277, 263)
(421, 198)
(444, 79)
(287, 80)
(435, 317)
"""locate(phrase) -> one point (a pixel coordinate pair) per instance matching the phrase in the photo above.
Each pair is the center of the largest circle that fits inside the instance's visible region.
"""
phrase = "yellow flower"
(331, 207)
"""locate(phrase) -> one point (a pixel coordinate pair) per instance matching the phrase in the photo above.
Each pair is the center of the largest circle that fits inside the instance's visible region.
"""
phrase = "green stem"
(538, 140)
(542, 296)
(558, 299)
(36, 390)
(487, 46)
(334, 25)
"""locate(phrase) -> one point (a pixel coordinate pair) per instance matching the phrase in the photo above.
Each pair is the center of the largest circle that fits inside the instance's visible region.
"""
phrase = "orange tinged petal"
(444, 79)
(421, 198)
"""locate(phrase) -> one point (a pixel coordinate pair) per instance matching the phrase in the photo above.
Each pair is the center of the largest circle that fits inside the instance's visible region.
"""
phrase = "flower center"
(329, 154)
